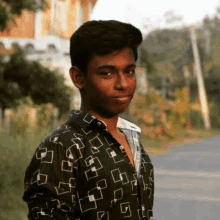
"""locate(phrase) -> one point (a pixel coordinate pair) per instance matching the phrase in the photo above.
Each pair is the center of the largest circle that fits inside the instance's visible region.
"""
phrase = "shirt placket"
(103, 129)
(132, 138)
(135, 147)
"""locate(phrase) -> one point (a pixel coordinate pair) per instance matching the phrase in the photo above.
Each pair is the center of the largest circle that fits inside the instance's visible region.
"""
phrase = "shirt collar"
(125, 124)
(84, 119)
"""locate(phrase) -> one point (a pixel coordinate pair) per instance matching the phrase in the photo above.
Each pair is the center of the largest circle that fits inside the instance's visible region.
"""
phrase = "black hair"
(102, 38)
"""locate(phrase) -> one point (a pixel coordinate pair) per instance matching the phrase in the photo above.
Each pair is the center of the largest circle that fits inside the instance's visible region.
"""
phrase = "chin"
(109, 111)
(118, 110)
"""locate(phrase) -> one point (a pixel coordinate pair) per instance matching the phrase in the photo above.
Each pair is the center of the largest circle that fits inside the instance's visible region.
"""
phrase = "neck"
(110, 121)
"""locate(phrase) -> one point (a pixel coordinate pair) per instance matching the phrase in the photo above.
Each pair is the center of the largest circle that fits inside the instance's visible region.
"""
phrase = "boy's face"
(110, 83)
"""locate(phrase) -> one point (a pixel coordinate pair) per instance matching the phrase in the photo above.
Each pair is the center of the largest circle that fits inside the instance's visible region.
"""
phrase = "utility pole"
(187, 78)
(186, 74)
(200, 81)
(163, 82)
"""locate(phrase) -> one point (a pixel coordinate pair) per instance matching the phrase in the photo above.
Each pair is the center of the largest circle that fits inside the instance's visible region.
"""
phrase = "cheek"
(132, 84)
(103, 86)
(99, 89)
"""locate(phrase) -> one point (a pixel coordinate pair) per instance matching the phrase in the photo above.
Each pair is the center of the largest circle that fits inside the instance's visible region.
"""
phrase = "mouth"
(122, 98)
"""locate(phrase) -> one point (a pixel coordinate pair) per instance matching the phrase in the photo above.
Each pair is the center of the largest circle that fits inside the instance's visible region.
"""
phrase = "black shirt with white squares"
(82, 172)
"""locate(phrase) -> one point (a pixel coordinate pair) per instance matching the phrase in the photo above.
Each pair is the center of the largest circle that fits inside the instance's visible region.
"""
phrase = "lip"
(122, 98)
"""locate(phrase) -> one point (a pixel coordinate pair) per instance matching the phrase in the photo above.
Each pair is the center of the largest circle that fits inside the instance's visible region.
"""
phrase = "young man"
(94, 166)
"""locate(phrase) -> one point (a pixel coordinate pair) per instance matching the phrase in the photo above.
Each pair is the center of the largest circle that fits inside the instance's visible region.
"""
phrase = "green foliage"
(22, 78)
(196, 119)
(161, 119)
(214, 111)
(144, 61)
(174, 46)
(9, 9)
(171, 46)
(179, 113)
(212, 85)
(4, 17)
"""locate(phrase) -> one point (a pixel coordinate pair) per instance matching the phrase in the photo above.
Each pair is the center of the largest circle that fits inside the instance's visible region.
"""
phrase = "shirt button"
(99, 123)
(121, 147)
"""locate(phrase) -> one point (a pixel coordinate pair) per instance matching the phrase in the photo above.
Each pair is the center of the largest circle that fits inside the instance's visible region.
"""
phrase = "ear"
(77, 77)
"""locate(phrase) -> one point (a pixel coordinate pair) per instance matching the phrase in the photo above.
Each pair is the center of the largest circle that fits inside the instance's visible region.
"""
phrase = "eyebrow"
(105, 66)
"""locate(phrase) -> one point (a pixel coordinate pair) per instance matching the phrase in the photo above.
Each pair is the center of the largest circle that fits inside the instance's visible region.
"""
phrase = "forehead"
(124, 56)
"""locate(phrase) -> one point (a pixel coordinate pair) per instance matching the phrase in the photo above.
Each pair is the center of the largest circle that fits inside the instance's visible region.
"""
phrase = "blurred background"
(178, 76)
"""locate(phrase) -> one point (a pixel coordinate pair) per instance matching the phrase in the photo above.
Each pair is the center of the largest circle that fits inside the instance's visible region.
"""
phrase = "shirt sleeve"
(150, 175)
(50, 182)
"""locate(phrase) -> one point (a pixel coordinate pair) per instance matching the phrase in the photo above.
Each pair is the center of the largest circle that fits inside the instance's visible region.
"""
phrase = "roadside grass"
(16, 152)
(161, 146)
(19, 214)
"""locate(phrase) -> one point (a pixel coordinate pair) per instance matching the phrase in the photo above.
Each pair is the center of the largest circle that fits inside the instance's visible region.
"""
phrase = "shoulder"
(63, 136)
(60, 146)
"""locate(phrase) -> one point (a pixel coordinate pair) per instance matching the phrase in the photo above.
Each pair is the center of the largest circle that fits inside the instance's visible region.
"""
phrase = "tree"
(21, 78)
(171, 17)
(10, 9)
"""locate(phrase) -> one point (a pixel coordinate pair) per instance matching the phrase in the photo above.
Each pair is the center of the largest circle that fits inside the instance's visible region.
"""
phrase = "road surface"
(187, 182)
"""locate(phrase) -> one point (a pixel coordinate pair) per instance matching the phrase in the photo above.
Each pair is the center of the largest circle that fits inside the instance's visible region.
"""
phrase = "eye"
(130, 72)
(105, 73)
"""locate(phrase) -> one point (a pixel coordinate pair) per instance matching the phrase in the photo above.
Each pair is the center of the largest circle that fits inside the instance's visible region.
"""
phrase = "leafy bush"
(15, 8)
(196, 119)
(214, 111)
(28, 117)
(21, 78)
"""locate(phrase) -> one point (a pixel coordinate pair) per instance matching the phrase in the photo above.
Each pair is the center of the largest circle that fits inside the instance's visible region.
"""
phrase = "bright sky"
(152, 12)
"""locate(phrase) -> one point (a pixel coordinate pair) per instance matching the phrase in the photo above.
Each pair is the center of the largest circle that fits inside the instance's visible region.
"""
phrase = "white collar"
(125, 124)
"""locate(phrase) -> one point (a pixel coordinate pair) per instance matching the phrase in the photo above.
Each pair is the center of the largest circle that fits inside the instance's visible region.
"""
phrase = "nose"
(121, 81)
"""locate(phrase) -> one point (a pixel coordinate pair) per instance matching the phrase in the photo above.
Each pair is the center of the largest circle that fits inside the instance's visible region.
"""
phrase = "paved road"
(187, 182)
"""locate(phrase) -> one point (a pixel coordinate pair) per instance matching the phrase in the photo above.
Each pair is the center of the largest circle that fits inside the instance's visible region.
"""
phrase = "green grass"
(18, 214)
(16, 153)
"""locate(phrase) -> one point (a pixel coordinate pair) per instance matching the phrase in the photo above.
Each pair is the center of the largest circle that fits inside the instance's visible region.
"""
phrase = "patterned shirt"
(82, 172)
